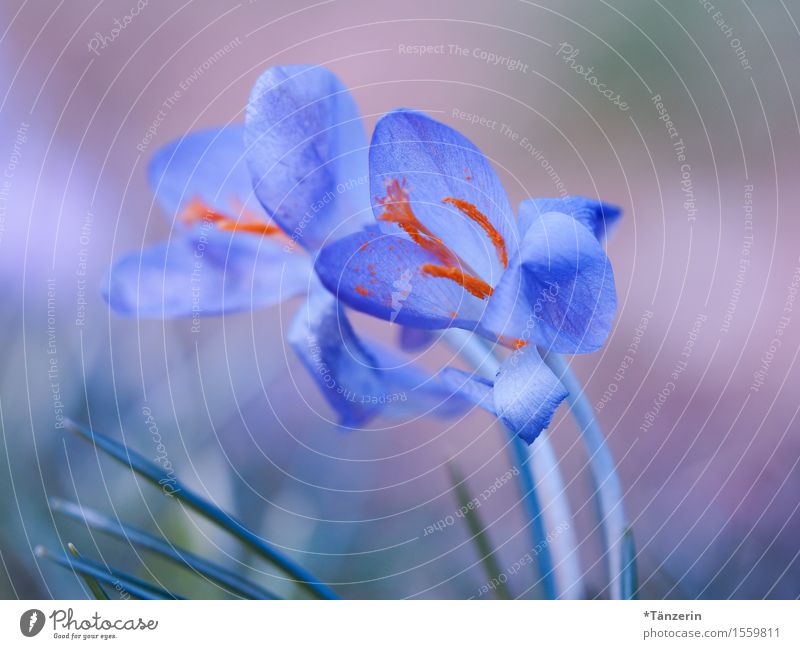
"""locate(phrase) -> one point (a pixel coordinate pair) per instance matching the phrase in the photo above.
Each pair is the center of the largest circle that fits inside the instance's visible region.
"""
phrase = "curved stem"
(608, 488)
(558, 517)
(541, 485)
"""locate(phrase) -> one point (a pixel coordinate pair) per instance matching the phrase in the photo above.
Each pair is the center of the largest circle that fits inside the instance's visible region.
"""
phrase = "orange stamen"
(512, 343)
(361, 290)
(397, 209)
(469, 210)
(196, 211)
(473, 284)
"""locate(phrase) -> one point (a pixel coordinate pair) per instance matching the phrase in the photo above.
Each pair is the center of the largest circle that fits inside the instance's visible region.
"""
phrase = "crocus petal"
(435, 175)
(599, 217)
(381, 275)
(524, 394)
(474, 388)
(307, 153)
(185, 277)
(419, 392)
(359, 378)
(527, 393)
(208, 165)
(560, 295)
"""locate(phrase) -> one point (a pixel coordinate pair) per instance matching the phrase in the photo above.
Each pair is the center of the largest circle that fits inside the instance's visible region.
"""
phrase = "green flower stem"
(541, 485)
(607, 486)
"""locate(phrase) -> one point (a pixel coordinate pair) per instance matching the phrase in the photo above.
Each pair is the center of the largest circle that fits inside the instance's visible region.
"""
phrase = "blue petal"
(527, 393)
(208, 165)
(426, 394)
(561, 294)
(441, 170)
(358, 378)
(599, 217)
(307, 153)
(185, 277)
(524, 394)
(472, 387)
(381, 275)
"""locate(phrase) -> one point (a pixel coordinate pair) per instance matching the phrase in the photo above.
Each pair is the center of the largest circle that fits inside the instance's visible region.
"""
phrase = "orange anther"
(469, 210)
(473, 284)
(198, 211)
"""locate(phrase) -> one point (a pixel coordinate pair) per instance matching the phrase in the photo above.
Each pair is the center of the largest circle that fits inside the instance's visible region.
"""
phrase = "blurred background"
(696, 138)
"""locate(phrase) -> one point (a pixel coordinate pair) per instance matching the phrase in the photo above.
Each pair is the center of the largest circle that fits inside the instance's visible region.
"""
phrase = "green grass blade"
(630, 577)
(134, 586)
(159, 477)
(97, 521)
(478, 531)
(92, 583)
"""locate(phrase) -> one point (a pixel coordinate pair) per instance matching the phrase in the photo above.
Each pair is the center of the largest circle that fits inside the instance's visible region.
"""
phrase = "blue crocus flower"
(249, 207)
(445, 232)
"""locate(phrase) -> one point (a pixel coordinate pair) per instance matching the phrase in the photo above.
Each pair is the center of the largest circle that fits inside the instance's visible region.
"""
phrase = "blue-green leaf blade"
(159, 477)
(107, 525)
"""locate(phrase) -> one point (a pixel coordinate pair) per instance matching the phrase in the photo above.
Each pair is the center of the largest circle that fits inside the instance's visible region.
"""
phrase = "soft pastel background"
(712, 487)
